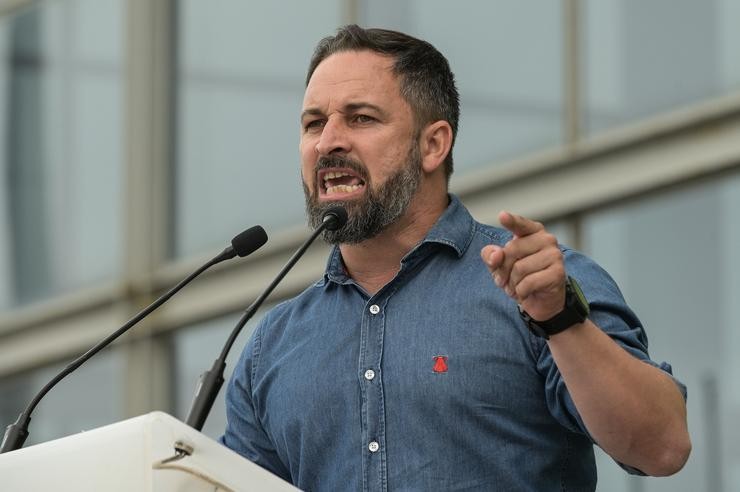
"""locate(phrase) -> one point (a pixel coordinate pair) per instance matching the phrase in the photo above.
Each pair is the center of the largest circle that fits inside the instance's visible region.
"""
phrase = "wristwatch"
(575, 311)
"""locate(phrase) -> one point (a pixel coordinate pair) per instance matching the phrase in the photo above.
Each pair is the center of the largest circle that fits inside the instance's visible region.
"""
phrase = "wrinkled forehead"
(352, 73)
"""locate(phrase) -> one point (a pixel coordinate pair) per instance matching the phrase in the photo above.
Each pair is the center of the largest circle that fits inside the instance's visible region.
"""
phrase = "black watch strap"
(575, 311)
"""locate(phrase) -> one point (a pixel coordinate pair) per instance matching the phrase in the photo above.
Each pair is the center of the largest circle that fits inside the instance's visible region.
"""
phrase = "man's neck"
(374, 262)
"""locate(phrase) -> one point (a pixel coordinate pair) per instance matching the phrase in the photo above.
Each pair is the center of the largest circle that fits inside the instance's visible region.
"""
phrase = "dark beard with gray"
(376, 210)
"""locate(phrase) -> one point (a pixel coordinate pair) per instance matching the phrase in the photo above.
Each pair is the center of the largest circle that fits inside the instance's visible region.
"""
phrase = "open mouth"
(339, 183)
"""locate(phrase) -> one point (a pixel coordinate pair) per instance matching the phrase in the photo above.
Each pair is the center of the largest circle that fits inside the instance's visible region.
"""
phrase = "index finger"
(520, 226)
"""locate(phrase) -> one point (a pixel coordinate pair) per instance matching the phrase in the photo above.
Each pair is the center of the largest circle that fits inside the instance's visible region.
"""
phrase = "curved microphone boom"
(211, 381)
(242, 245)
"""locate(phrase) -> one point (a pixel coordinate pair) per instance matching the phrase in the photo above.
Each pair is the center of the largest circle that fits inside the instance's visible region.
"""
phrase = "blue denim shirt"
(433, 383)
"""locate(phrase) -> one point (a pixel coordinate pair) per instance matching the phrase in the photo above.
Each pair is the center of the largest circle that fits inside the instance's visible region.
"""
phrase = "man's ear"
(435, 142)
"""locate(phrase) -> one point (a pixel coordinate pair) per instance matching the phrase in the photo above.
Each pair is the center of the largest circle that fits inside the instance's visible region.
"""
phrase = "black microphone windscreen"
(249, 241)
(335, 218)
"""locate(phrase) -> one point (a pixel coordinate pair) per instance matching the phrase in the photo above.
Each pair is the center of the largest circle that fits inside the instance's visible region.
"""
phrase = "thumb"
(492, 256)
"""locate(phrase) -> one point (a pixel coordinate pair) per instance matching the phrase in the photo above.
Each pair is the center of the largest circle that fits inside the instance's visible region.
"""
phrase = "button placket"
(371, 387)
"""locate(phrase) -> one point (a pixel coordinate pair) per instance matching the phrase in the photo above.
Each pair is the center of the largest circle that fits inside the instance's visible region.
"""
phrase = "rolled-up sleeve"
(610, 312)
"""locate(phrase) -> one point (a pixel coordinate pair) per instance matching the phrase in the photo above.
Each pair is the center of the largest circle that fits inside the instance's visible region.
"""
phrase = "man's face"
(358, 145)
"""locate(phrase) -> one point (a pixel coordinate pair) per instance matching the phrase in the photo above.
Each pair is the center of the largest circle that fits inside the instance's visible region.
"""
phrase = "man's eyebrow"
(353, 107)
(311, 112)
(348, 108)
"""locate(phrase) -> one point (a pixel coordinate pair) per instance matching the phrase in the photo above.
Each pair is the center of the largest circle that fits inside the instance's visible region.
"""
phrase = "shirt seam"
(484, 230)
(256, 352)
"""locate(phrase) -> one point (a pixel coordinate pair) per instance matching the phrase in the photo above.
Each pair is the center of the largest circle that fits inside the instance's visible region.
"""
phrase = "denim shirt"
(433, 383)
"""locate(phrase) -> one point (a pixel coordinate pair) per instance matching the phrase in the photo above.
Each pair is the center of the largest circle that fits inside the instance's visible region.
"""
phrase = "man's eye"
(363, 118)
(313, 124)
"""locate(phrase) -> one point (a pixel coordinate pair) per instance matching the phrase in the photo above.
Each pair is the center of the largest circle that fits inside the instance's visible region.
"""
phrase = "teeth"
(342, 189)
(332, 175)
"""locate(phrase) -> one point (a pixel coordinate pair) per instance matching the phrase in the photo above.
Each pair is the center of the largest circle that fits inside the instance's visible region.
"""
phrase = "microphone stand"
(243, 244)
(210, 382)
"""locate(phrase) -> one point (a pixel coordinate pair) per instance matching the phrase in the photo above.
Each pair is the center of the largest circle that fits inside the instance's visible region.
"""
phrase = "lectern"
(138, 454)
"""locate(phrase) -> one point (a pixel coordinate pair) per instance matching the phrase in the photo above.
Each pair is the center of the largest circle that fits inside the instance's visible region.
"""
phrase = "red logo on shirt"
(440, 363)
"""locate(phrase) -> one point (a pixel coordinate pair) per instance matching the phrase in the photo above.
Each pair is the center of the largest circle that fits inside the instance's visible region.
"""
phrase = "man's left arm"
(633, 410)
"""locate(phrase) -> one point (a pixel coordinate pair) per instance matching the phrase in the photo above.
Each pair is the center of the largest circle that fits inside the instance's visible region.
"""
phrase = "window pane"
(675, 257)
(60, 148)
(507, 60)
(240, 88)
(642, 58)
(89, 398)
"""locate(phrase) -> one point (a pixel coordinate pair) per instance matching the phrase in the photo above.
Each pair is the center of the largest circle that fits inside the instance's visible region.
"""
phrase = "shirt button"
(373, 447)
(369, 374)
(375, 309)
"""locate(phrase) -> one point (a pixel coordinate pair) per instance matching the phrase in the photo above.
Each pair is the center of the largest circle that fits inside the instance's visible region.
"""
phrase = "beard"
(376, 209)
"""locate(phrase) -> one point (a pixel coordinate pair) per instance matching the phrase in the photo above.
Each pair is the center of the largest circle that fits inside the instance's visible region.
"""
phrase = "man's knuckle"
(555, 255)
(524, 288)
(558, 270)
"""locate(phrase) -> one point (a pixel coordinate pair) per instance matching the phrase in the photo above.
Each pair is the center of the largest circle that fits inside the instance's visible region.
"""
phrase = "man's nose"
(334, 138)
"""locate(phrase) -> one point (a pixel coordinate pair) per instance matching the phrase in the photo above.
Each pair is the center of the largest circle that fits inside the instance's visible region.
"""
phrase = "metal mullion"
(350, 11)
(571, 73)
(149, 25)
(147, 139)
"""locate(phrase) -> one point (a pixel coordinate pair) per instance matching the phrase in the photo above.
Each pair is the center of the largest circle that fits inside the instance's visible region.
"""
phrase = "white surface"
(122, 457)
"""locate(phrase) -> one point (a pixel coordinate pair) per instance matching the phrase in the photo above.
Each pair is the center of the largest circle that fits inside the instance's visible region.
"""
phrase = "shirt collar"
(454, 229)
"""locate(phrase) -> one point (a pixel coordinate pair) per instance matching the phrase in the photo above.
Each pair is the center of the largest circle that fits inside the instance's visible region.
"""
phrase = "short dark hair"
(426, 81)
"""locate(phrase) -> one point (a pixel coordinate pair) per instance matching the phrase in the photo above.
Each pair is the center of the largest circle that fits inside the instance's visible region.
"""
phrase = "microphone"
(247, 242)
(242, 245)
(334, 218)
(210, 382)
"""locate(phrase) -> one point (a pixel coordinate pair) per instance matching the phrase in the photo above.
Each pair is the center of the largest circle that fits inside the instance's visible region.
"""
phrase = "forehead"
(351, 75)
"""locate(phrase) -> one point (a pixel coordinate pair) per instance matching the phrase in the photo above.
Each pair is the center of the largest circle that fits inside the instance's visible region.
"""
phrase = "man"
(409, 365)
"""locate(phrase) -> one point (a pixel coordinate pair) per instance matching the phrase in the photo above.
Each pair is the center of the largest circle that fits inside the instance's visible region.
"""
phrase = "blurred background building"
(138, 136)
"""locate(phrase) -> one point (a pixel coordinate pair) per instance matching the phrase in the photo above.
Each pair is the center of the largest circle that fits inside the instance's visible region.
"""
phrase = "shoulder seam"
(256, 352)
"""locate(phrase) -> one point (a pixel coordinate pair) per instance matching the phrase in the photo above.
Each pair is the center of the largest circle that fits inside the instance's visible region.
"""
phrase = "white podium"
(134, 455)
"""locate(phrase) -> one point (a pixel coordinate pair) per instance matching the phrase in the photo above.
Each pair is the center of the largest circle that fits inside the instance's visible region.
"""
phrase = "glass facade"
(511, 90)
(69, 80)
(643, 58)
(60, 148)
(675, 257)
